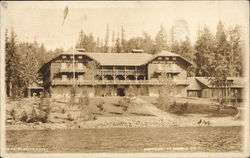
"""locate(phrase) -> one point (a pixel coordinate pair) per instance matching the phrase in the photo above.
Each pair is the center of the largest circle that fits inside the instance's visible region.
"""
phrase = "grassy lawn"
(112, 108)
(60, 108)
(197, 106)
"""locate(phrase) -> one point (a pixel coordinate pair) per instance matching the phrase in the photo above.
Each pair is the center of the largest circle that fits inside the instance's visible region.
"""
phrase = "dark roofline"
(70, 52)
(173, 55)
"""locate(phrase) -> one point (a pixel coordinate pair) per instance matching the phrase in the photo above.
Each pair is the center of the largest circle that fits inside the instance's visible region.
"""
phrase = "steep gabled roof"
(193, 84)
(237, 82)
(119, 59)
(165, 53)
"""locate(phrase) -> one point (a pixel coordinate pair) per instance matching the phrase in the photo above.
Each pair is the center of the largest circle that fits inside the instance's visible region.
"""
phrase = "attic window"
(64, 57)
(166, 58)
(174, 58)
(80, 57)
(159, 58)
(137, 51)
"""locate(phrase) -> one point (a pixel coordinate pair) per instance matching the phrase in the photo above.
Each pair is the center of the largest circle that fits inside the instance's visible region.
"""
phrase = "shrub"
(44, 110)
(24, 116)
(100, 105)
(63, 111)
(184, 107)
(83, 101)
(13, 114)
(33, 116)
(69, 117)
(126, 102)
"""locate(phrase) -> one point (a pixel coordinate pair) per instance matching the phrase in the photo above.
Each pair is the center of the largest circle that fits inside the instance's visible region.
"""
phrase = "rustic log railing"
(120, 72)
(115, 82)
(70, 69)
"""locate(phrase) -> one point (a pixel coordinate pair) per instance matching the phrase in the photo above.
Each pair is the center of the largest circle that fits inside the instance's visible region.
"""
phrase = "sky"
(42, 21)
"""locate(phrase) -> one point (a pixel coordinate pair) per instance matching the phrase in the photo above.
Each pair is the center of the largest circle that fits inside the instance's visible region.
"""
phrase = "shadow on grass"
(116, 113)
(95, 113)
(142, 114)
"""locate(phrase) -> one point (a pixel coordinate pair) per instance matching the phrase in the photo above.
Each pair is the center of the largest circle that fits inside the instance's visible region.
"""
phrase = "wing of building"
(103, 74)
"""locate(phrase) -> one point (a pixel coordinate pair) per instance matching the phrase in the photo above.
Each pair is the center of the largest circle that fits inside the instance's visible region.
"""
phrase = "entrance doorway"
(120, 92)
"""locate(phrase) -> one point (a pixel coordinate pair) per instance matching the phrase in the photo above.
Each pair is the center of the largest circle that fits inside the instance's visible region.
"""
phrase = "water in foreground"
(173, 139)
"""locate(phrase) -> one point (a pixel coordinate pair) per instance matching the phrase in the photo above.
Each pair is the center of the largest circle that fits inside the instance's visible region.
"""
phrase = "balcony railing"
(120, 72)
(115, 82)
(70, 69)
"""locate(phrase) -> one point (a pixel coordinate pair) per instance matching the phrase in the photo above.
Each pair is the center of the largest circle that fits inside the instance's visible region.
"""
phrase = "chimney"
(80, 49)
(137, 51)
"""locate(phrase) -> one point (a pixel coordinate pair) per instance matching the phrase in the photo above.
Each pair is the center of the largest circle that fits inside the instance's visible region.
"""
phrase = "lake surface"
(173, 139)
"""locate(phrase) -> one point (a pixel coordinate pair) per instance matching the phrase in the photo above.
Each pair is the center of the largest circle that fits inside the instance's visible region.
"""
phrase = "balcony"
(114, 82)
(121, 72)
(71, 69)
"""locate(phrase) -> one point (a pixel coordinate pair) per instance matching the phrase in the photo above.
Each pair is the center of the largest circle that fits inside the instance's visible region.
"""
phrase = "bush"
(63, 111)
(83, 101)
(69, 117)
(24, 116)
(33, 116)
(100, 105)
(13, 114)
(184, 107)
(126, 102)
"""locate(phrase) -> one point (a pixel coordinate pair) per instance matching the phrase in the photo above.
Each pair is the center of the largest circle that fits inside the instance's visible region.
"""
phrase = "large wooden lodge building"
(111, 74)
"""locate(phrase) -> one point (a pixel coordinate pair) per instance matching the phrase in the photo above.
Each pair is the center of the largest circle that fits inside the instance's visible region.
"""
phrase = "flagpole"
(74, 69)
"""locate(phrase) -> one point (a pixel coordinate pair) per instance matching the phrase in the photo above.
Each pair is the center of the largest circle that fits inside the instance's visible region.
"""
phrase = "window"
(80, 77)
(80, 65)
(64, 77)
(63, 65)
(166, 58)
(80, 57)
(174, 58)
(71, 57)
(64, 56)
(159, 58)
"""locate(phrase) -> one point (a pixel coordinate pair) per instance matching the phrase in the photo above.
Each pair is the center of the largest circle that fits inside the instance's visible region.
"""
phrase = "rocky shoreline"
(127, 122)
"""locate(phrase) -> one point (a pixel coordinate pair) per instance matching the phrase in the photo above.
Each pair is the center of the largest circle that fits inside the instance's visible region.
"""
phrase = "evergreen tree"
(113, 41)
(161, 40)
(186, 49)
(236, 46)
(148, 44)
(106, 46)
(12, 65)
(118, 44)
(86, 41)
(204, 52)
(123, 41)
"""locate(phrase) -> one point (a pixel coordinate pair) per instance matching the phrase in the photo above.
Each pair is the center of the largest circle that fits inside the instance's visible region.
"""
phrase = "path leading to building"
(154, 110)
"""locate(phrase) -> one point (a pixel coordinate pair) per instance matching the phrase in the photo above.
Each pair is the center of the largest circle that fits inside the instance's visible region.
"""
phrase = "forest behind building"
(215, 55)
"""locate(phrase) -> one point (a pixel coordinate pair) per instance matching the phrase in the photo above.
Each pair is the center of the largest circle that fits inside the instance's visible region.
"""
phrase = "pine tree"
(106, 46)
(161, 40)
(12, 66)
(186, 49)
(118, 44)
(204, 52)
(236, 46)
(113, 41)
(80, 42)
(148, 44)
(122, 40)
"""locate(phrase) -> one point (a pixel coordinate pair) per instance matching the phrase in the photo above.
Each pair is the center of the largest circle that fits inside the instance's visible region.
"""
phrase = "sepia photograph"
(124, 78)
